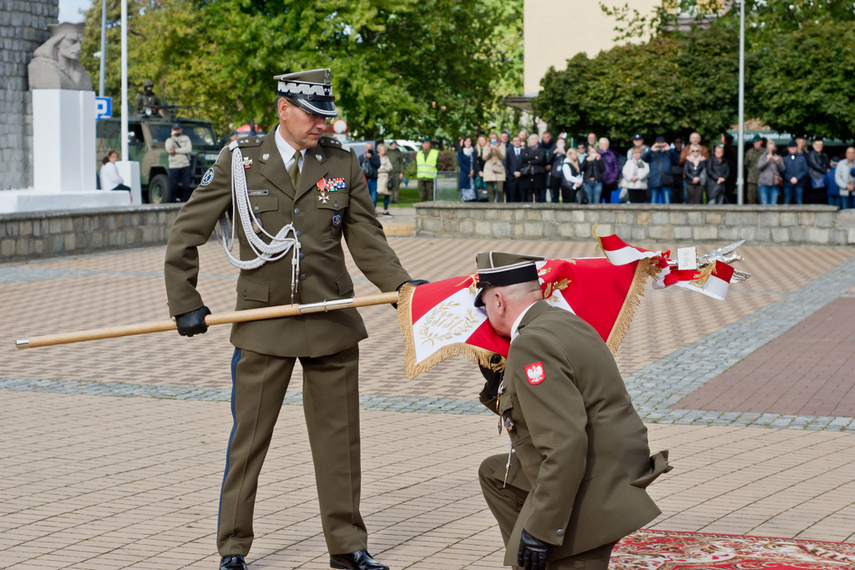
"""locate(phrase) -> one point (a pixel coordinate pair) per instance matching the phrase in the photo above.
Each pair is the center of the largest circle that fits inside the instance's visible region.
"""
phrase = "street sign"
(103, 108)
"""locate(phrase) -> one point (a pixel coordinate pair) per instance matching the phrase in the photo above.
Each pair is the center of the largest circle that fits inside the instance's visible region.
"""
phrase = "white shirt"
(287, 152)
(110, 177)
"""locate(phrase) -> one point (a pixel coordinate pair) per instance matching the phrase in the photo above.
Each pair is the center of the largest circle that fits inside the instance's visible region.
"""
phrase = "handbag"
(817, 183)
(778, 181)
(390, 184)
(624, 195)
(497, 168)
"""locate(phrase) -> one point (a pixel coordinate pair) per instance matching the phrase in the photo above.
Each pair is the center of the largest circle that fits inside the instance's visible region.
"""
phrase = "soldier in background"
(146, 102)
(396, 157)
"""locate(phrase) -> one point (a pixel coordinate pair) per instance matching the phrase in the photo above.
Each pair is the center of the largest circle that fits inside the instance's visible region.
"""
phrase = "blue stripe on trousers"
(235, 360)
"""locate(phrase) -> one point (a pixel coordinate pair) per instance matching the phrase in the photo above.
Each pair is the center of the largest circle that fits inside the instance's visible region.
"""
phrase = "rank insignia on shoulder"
(247, 162)
(535, 374)
(208, 177)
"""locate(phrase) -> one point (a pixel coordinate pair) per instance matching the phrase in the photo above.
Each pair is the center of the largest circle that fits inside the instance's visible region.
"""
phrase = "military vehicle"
(146, 138)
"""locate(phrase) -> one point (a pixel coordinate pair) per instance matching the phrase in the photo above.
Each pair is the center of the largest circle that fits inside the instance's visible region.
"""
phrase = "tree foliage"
(797, 70)
(402, 67)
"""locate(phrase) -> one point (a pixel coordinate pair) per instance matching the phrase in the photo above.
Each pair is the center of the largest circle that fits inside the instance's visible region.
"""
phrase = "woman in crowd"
(611, 172)
(467, 164)
(571, 179)
(533, 173)
(383, 180)
(493, 155)
(555, 171)
(592, 172)
(635, 173)
(717, 173)
(771, 167)
(110, 177)
(694, 171)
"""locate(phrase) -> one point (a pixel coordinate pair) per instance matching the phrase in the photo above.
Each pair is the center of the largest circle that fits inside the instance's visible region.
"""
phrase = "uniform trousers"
(425, 189)
(331, 407)
(506, 501)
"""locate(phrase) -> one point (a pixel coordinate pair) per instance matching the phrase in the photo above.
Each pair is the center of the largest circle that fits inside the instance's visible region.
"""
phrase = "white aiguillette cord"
(279, 244)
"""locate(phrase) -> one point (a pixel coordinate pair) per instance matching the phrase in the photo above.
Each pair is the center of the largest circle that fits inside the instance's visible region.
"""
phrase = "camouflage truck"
(146, 138)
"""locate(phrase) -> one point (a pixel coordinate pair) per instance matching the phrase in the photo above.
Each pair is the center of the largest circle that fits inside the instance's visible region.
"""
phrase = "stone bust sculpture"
(56, 64)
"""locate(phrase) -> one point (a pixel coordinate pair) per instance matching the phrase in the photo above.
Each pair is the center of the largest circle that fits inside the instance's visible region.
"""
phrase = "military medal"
(247, 162)
(333, 184)
(323, 198)
(322, 184)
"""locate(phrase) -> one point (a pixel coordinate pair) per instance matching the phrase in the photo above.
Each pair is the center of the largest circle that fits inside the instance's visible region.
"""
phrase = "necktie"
(294, 172)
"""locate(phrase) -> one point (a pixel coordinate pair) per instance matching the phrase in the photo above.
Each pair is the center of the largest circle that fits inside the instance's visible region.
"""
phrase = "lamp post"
(740, 151)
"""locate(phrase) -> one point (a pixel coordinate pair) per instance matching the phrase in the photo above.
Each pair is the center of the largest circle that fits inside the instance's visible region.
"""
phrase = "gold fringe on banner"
(630, 304)
(477, 355)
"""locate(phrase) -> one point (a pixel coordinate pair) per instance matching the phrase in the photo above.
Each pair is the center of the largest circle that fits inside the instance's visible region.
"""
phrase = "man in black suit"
(513, 164)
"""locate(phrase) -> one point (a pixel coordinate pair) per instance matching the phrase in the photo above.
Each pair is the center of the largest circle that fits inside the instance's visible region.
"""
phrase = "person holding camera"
(178, 147)
(771, 167)
(659, 157)
(533, 172)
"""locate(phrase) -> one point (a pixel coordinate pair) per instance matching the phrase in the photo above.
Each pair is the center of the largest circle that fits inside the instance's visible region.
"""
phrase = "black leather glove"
(193, 322)
(532, 552)
(493, 377)
(414, 283)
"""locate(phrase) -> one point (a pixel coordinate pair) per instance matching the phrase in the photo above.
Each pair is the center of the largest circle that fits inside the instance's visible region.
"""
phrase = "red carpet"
(670, 550)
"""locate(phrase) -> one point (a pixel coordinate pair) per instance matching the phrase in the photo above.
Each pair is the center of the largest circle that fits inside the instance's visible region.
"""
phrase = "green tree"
(403, 67)
(668, 86)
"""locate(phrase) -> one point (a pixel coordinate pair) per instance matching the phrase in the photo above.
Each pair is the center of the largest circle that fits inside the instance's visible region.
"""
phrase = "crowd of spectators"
(529, 168)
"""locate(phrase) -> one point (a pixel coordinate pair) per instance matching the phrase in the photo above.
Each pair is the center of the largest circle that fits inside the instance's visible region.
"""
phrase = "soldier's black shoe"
(233, 562)
(359, 560)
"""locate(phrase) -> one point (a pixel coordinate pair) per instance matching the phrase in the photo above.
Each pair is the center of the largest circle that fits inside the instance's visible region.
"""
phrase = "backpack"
(368, 168)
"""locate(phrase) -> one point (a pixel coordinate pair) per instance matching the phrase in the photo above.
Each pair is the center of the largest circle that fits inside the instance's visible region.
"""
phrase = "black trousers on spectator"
(637, 196)
(607, 191)
(181, 175)
(555, 188)
(512, 190)
(695, 192)
(677, 191)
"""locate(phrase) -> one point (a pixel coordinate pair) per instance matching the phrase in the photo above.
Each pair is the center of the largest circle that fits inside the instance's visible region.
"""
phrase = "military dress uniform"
(266, 350)
(581, 461)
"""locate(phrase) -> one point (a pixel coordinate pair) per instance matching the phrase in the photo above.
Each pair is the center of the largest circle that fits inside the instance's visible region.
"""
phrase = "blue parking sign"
(103, 108)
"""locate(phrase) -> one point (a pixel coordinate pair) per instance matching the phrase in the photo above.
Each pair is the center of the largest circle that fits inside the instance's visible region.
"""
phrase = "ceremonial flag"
(440, 319)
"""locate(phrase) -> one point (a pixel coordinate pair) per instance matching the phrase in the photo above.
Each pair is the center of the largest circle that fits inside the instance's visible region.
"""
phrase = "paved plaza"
(113, 450)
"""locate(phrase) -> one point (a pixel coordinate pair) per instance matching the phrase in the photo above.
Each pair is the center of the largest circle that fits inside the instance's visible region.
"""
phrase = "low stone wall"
(33, 235)
(637, 223)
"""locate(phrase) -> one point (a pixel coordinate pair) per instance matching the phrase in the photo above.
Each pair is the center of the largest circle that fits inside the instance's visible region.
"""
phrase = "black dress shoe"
(359, 560)
(232, 562)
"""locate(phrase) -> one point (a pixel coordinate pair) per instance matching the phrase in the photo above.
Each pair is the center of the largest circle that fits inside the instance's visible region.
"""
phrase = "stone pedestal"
(130, 173)
(64, 162)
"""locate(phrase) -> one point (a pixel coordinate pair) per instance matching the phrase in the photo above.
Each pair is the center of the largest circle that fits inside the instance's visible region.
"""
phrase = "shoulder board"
(327, 141)
(244, 142)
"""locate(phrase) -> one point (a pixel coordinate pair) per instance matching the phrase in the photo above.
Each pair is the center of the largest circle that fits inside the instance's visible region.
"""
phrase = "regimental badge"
(336, 220)
(247, 162)
(508, 423)
(319, 157)
(323, 198)
(256, 226)
(208, 177)
(265, 156)
(334, 184)
(535, 374)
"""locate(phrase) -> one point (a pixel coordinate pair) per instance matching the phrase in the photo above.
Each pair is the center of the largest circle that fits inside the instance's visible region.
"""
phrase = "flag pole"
(215, 319)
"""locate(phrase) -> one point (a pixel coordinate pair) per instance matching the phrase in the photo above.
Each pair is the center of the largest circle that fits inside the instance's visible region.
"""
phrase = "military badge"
(208, 177)
(322, 184)
(256, 227)
(257, 192)
(319, 157)
(334, 184)
(247, 162)
(265, 156)
(336, 220)
(535, 374)
(323, 198)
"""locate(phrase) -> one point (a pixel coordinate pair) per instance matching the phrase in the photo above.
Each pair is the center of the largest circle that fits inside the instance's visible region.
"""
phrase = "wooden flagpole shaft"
(210, 320)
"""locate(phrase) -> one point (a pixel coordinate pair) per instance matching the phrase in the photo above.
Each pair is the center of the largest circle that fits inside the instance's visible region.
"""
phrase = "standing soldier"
(396, 157)
(426, 161)
(301, 193)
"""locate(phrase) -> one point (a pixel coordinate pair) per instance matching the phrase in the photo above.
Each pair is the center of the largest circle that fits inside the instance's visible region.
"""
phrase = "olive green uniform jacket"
(321, 224)
(581, 445)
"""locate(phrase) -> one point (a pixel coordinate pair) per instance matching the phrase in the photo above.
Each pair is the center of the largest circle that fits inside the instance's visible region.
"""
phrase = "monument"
(64, 163)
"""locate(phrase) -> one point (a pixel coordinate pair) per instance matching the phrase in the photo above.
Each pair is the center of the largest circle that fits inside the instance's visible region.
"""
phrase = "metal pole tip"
(22, 343)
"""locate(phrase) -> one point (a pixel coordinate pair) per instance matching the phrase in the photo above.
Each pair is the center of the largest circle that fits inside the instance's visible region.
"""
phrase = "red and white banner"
(440, 320)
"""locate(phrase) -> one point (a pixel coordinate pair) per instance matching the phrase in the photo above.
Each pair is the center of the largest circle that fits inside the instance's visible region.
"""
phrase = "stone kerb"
(782, 225)
(33, 235)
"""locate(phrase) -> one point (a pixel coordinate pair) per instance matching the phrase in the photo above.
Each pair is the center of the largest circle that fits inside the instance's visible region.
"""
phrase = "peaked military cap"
(311, 90)
(496, 269)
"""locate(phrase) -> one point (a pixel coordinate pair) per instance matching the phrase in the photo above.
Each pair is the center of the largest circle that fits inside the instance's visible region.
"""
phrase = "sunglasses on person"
(696, 152)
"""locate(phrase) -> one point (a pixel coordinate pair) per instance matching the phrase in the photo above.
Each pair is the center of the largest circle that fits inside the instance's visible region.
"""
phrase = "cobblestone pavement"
(114, 449)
